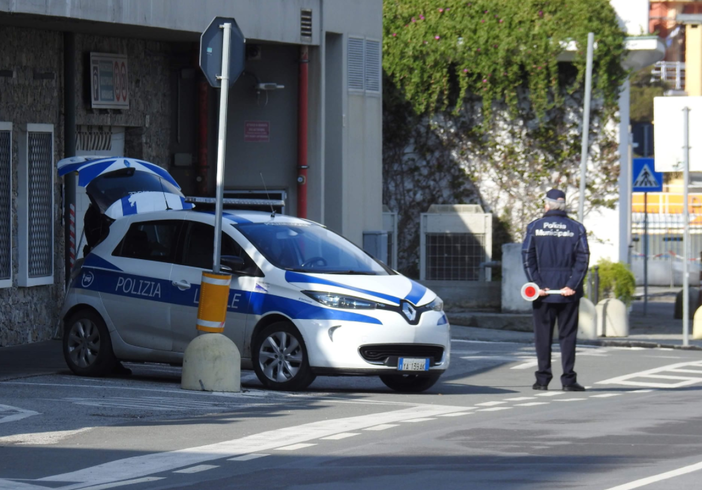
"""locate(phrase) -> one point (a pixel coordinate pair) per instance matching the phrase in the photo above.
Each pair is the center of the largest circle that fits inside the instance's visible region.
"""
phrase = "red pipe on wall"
(302, 135)
(201, 177)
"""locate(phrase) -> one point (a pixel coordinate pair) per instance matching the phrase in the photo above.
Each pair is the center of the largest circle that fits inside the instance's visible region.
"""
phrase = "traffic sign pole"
(645, 253)
(221, 144)
(686, 224)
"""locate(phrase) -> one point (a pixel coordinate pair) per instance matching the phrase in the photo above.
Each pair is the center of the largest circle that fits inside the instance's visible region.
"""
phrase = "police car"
(299, 292)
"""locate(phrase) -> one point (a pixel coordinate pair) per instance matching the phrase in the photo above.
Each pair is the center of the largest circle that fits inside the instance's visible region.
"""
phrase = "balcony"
(670, 72)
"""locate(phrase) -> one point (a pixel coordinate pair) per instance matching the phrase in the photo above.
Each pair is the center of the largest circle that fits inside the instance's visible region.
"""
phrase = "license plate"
(412, 364)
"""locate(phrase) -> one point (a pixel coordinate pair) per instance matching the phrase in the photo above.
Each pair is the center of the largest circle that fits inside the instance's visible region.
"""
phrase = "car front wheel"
(410, 383)
(280, 358)
(87, 348)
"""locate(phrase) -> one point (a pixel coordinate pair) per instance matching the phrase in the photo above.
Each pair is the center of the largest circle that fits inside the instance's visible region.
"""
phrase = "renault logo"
(409, 311)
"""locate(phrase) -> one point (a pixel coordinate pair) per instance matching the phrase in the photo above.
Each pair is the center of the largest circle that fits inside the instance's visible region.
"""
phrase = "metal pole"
(586, 125)
(686, 224)
(221, 143)
(645, 252)
(69, 150)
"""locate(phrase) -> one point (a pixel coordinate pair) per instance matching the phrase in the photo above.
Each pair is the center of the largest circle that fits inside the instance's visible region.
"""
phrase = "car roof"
(235, 216)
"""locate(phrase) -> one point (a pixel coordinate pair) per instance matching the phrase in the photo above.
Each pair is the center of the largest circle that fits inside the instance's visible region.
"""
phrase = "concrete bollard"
(697, 325)
(612, 318)
(211, 362)
(587, 320)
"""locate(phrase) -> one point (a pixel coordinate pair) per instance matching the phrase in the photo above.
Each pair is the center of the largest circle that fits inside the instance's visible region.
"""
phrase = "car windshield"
(307, 247)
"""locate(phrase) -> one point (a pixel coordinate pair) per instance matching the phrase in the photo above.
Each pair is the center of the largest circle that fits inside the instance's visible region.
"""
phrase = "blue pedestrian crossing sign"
(645, 178)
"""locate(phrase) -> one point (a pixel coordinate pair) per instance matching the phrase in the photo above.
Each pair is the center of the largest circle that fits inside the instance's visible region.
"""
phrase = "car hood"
(390, 289)
(125, 186)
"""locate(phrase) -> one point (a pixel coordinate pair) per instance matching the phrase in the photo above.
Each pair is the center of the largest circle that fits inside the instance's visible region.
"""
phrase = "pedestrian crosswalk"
(672, 376)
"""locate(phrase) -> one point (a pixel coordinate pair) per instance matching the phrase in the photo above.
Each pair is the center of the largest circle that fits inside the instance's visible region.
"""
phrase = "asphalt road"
(639, 425)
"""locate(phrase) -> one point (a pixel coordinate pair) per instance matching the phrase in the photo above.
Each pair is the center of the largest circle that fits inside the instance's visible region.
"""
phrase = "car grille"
(387, 354)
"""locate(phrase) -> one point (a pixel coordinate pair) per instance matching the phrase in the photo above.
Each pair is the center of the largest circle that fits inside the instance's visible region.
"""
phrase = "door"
(195, 255)
(139, 306)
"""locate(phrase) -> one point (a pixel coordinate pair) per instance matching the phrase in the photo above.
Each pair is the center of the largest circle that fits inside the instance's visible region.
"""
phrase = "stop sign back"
(211, 51)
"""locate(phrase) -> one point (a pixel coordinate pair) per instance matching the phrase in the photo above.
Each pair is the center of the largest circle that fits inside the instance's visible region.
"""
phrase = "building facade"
(304, 120)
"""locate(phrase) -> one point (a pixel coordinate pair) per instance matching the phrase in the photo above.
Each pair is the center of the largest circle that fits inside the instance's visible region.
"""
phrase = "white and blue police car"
(300, 294)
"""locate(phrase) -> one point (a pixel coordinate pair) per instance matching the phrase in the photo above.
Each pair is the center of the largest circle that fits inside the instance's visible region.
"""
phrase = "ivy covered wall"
(478, 109)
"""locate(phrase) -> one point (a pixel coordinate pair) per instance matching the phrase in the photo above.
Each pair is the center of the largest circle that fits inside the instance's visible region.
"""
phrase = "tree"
(478, 109)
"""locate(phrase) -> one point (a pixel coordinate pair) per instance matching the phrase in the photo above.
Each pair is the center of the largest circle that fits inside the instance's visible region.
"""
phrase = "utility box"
(376, 244)
(455, 243)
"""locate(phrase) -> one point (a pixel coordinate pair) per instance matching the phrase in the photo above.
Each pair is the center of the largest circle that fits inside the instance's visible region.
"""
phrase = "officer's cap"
(556, 195)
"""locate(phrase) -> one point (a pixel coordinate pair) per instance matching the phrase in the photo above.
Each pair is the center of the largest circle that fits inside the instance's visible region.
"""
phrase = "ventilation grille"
(372, 66)
(364, 65)
(5, 205)
(94, 138)
(40, 192)
(355, 58)
(306, 25)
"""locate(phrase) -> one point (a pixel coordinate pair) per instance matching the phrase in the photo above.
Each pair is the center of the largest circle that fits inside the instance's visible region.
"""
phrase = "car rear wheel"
(410, 383)
(280, 358)
(87, 348)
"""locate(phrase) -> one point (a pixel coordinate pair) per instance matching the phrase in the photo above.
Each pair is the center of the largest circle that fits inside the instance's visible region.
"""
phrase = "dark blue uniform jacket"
(555, 255)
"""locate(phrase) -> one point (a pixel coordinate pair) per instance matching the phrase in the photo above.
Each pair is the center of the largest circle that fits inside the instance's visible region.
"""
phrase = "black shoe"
(574, 387)
(539, 387)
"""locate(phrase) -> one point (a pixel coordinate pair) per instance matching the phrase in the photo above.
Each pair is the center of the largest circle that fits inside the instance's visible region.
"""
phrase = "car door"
(139, 304)
(195, 255)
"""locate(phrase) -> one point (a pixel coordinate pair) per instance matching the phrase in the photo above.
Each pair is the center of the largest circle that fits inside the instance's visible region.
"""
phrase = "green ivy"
(438, 52)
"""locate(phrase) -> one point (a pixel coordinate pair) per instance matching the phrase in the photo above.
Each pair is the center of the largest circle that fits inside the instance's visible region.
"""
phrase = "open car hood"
(124, 186)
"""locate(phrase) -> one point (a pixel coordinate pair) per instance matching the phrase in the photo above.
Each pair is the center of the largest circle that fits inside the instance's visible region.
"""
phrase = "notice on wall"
(109, 87)
(257, 131)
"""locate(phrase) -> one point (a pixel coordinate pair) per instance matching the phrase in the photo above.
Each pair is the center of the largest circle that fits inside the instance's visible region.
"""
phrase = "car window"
(198, 248)
(150, 240)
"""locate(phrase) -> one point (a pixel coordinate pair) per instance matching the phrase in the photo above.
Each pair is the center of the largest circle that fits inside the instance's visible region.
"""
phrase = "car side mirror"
(232, 263)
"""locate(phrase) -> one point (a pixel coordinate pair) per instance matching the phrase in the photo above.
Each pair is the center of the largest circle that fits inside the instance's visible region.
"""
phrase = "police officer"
(555, 254)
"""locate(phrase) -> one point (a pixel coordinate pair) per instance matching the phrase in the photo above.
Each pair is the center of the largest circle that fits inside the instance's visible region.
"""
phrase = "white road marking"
(605, 395)
(551, 393)
(424, 419)
(197, 469)
(148, 464)
(343, 435)
(663, 476)
(41, 438)
(248, 457)
(457, 414)
(520, 398)
(642, 391)
(532, 404)
(123, 483)
(14, 414)
(489, 404)
(570, 400)
(382, 427)
(494, 409)
(295, 447)
(640, 378)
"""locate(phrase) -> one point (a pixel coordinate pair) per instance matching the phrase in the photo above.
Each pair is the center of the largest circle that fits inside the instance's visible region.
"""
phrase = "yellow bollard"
(214, 295)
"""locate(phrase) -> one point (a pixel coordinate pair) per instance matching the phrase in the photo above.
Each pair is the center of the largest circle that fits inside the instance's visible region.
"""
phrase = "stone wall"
(33, 94)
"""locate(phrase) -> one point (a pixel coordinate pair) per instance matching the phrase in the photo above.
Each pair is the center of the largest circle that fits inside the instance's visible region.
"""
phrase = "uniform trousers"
(545, 316)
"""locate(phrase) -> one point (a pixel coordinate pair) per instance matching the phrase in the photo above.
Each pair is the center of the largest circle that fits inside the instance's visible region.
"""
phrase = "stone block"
(612, 318)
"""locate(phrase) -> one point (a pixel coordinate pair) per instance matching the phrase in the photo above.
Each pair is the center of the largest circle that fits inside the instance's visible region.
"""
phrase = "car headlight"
(341, 301)
(436, 305)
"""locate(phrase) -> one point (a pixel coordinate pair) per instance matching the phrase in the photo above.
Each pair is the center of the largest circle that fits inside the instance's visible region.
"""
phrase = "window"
(198, 248)
(364, 59)
(150, 240)
(35, 205)
(5, 204)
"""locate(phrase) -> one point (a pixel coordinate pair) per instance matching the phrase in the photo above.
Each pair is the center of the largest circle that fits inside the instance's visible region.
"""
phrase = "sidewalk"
(656, 328)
